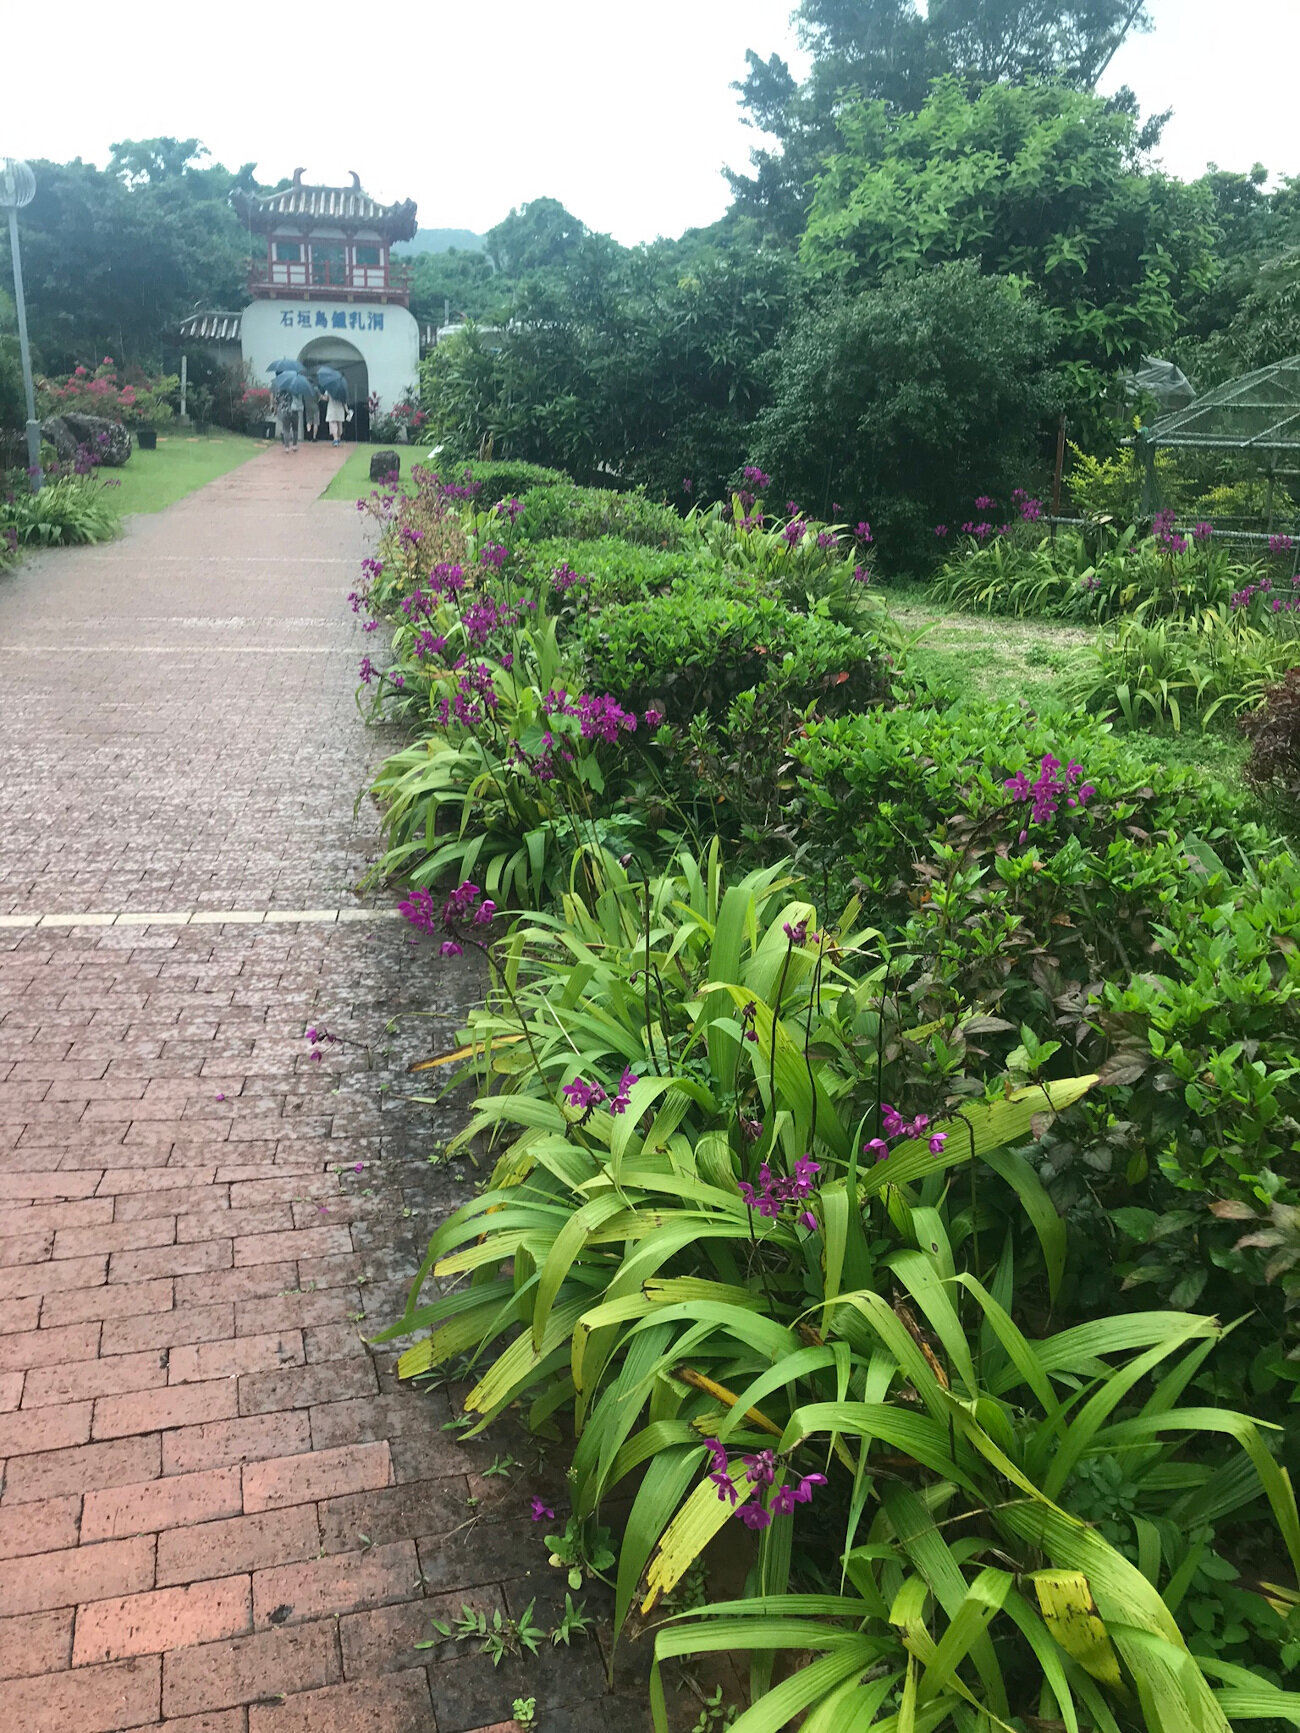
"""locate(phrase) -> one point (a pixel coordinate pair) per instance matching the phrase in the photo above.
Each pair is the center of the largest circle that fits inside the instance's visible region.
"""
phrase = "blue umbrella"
(295, 385)
(283, 367)
(332, 380)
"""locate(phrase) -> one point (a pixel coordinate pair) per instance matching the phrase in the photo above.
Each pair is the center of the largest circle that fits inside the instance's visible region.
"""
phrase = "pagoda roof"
(300, 206)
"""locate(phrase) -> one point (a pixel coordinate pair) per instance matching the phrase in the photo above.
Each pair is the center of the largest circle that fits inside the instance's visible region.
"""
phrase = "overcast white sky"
(621, 111)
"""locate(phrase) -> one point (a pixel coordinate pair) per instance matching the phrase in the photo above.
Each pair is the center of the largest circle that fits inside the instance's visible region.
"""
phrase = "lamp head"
(17, 184)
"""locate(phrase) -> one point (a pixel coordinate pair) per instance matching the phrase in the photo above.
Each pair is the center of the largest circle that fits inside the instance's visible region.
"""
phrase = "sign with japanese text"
(339, 320)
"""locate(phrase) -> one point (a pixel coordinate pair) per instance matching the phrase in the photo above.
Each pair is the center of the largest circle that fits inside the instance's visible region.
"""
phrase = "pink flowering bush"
(551, 685)
(790, 552)
(976, 834)
(139, 400)
(254, 409)
(403, 420)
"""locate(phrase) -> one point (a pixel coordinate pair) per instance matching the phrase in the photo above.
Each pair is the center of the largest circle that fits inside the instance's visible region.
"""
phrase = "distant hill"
(441, 241)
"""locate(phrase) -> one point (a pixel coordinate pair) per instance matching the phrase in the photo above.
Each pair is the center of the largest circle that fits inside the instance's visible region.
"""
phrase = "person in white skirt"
(335, 416)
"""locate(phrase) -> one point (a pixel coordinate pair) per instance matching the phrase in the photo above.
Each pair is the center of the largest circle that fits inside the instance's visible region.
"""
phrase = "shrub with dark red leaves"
(1274, 731)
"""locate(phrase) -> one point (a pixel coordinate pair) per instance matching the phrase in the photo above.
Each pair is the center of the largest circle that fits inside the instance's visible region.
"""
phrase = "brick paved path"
(219, 1512)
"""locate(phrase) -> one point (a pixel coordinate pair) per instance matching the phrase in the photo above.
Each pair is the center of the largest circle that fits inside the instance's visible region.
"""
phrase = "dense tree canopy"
(907, 402)
(829, 343)
(459, 282)
(1248, 313)
(882, 47)
(891, 51)
(534, 237)
(925, 137)
(1264, 326)
(114, 258)
(645, 364)
(1032, 180)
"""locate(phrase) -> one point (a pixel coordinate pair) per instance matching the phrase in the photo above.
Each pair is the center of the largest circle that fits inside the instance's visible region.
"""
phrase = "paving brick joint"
(220, 1513)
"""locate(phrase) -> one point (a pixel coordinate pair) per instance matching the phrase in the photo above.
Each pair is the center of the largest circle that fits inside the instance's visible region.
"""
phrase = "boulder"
(383, 464)
(108, 440)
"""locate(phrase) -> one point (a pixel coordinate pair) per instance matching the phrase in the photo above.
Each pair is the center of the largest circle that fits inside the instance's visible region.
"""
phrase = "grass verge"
(153, 480)
(991, 656)
(353, 479)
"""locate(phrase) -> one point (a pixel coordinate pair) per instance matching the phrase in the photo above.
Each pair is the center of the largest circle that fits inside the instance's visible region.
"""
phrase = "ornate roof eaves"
(298, 206)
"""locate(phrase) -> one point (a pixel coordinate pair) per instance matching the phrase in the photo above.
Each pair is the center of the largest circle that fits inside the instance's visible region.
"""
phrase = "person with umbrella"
(335, 395)
(293, 391)
(286, 410)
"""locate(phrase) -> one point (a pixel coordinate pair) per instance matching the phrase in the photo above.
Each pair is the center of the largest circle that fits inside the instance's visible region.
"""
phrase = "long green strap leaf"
(568, 1243)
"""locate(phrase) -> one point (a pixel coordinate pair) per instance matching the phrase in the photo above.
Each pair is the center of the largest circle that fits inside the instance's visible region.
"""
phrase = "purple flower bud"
(626, 1084)
(760, 1468)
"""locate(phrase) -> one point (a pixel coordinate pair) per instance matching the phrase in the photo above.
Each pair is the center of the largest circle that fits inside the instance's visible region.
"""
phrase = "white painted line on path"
(198, 918)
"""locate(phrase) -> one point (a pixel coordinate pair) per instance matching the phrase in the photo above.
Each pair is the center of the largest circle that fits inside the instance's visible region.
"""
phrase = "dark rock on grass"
(107, 441)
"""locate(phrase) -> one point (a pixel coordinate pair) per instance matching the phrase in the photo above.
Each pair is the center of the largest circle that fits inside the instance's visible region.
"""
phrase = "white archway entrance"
(335, 351)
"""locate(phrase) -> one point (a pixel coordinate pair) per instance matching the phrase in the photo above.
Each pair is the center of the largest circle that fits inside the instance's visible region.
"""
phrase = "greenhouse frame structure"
(1256, 415)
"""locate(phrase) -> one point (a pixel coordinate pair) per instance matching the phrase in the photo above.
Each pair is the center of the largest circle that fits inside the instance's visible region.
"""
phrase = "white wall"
(392, 355)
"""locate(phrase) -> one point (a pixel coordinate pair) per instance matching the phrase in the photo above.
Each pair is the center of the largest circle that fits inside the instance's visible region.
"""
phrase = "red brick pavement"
(219, 1514)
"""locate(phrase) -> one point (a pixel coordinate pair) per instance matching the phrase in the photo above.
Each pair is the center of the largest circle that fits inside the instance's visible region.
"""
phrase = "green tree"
(887, 47)
(534, 237)
(891, 51)
(645, 364)
(1243, 316)
(460, 281)
(905, 403)
(1264, 328)
(462, 391)
(114, 259)
(691, 366)
(1035, 181)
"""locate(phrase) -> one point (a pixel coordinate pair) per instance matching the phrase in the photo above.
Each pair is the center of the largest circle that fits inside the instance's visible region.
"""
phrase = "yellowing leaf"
(475, 1050)
(1071, 1615)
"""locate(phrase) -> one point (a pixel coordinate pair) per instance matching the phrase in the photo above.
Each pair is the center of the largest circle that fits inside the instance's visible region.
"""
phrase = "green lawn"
(992, 656)
(153, 480)
(353, 479)
(984, 655)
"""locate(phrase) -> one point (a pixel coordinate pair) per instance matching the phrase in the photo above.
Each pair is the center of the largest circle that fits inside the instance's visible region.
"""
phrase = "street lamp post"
(18, 188)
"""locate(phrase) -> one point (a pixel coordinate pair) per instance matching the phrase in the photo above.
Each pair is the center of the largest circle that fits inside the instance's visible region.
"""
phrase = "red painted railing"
(329, 280)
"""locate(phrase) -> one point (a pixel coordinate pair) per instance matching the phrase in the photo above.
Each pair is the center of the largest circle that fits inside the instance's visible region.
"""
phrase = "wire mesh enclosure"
(1260, 412)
